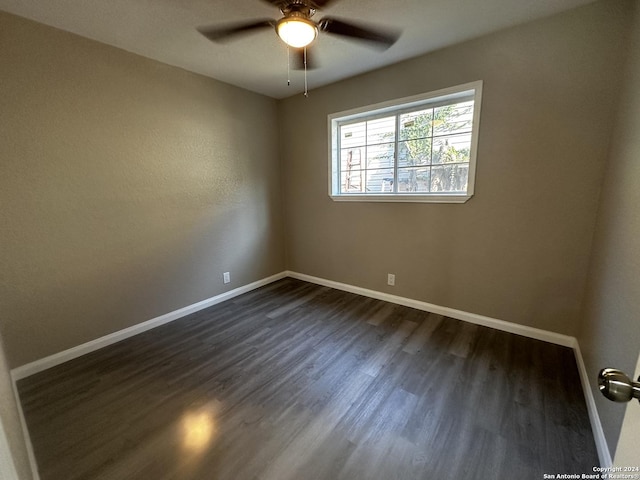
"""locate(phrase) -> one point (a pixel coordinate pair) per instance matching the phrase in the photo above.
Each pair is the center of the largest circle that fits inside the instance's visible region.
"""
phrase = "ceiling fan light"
(296, 32)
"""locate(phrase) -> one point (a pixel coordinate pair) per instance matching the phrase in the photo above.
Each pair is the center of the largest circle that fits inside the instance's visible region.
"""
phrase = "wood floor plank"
(287, 307)
(381, 313)
(419, 337)
(390, 347)
(294, 381)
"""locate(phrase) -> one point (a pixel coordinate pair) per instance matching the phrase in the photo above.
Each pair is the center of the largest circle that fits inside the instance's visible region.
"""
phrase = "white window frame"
(395, 107)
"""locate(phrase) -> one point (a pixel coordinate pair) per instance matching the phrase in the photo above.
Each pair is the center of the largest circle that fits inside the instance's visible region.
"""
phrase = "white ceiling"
(165, 30)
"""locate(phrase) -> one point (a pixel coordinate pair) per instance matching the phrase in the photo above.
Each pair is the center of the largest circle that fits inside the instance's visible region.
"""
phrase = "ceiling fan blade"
(317, 4)
(217, 33)
(381, 37)
(298, 59)
(321, 3)
(279, 3)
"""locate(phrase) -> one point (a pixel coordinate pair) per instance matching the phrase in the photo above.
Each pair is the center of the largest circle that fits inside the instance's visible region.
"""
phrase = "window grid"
(364, 170)
(423, 147)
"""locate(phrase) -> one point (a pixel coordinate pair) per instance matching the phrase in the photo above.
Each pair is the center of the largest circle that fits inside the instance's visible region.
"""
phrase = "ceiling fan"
(297, 29)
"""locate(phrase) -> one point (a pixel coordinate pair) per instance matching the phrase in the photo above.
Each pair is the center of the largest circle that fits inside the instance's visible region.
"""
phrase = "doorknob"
(617, 386)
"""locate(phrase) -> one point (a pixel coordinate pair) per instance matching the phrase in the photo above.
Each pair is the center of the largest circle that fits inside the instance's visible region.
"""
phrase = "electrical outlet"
(391, 279)
(226, 277)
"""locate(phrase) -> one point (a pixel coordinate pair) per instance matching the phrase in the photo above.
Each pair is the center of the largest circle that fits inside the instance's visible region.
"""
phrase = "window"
(416, 149)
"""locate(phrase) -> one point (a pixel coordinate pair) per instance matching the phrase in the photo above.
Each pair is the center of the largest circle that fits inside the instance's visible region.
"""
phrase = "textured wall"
(610, 330)
(519, 249)
(127, 188)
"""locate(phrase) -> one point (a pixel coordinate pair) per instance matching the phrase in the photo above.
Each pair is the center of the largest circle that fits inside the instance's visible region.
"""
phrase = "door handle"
(617, 386)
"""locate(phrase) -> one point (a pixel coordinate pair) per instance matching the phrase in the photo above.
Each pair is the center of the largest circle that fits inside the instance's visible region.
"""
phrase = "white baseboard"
(93, 345)
(552, 337)
(27, 437)
(604, 455)
(7, 467)
(75, 352)
(536, 333)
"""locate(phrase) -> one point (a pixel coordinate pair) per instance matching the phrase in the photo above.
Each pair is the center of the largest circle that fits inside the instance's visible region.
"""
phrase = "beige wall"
(519, 249)
(127, 188)
(610, 332)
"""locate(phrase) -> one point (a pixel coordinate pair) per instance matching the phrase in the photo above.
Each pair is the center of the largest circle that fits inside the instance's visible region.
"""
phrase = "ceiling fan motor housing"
(297, 9)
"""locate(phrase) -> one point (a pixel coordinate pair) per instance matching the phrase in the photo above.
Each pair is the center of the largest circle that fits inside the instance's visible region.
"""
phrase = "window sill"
(454, 198)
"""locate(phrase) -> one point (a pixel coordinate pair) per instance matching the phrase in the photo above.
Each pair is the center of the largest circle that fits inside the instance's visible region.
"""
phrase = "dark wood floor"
(297, 381)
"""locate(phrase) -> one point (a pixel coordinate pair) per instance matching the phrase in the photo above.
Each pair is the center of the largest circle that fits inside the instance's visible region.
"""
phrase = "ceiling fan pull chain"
(306, 92)
(288, 66)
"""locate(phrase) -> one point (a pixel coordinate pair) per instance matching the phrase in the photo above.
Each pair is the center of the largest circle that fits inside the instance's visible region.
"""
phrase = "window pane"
(351, 158)
(380, 156)
(455, 118)
(380, 181)
(413, 180)
(416, 124)
(450, 149)
(352, 182)
(449, 178)
(420, 148)
(352, 135)
(381, 130)
(414, 152)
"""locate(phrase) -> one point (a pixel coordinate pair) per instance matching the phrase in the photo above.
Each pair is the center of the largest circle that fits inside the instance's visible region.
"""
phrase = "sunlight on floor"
(199, 428)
